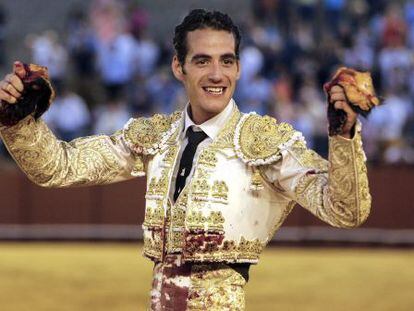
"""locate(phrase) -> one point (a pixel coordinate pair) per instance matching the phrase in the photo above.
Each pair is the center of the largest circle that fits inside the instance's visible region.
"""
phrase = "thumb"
(18, 69)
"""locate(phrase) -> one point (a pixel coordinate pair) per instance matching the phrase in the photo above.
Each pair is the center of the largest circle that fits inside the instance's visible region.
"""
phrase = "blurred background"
(109, 60)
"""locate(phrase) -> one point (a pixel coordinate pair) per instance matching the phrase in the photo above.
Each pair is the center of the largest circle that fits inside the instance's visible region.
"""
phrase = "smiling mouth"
(215, 90)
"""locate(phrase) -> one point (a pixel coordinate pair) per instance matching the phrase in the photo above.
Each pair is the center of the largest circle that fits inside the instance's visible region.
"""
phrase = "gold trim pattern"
(202, 191)
(149, 135)
(208, 158)
(170, 155)
(308, 157)
(153, 244)
(154, 216)
(214, 222)
(175, 241)
(225, 138)
(215, 287)
(259, 139)
(200, 188)
(220, 190)
(52, 163)
(211, 247)
(341, 197)
(158, 187)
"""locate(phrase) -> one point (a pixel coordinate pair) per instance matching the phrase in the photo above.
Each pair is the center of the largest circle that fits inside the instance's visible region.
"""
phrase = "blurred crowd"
(107, 68)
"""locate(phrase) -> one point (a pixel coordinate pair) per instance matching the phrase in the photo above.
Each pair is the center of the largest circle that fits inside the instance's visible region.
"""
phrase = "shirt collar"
(212, 126)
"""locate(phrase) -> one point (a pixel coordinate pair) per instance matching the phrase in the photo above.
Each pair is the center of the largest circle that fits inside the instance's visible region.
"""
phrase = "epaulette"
(149, 135)
(259, 140)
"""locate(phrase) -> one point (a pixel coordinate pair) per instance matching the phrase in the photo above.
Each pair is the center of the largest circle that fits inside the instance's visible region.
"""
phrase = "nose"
(216, 74)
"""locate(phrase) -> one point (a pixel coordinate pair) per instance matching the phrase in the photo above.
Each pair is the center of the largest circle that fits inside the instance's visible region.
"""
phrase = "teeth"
(214, 90)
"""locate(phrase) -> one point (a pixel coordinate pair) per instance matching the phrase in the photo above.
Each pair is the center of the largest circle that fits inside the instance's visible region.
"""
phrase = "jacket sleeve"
(50, 162)
(336, 191)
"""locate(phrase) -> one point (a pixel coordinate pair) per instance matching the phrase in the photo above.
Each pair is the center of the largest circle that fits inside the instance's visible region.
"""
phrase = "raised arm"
(50, 162)
(337, 190)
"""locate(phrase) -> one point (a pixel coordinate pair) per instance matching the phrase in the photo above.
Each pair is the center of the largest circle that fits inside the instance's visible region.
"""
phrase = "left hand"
(338, 99)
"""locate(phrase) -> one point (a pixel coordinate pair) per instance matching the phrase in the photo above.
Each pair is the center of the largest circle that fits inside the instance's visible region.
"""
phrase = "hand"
(338, 99)
(11, 87)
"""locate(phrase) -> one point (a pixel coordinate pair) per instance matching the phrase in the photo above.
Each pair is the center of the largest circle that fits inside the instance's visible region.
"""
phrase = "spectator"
(111, 117)
(69, 116)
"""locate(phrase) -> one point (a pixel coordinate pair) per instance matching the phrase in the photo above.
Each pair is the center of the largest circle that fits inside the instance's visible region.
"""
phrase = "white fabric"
(211, 127)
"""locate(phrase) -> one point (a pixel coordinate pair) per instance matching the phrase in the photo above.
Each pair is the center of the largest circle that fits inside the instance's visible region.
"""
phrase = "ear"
(238, 69)
(177, 68)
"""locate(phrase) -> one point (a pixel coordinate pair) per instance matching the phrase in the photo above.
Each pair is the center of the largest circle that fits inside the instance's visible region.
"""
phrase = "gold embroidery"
(157, 188)
(177, 217)
(153, 244)
(256, 183)
(53, 163)
(139, 167)
(170, 155)
(147, 135)
(308, 157)
(202, 173)
(225, 138)
(259, 139)
(220, 190)
(343, 198)
(208, 158)
(200, 189)
(212, 247)
(175, 241)
(213, 222)
(182, 199)
(154, 216)
(216, 287)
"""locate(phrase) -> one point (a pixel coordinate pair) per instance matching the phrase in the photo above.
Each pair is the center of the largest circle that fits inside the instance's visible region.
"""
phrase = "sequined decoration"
(53, 163)
(259, 139)
(341, 197)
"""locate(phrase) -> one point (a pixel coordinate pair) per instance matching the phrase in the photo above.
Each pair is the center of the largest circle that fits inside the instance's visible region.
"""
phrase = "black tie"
(186, 162)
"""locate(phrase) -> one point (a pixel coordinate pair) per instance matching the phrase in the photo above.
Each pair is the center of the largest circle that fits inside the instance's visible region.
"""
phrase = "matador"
(219, 182)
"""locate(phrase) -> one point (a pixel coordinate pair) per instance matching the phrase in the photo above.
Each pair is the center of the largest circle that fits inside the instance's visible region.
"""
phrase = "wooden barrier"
(22, 202)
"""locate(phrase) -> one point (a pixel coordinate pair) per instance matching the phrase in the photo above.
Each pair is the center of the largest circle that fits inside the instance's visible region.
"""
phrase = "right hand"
(11, 87)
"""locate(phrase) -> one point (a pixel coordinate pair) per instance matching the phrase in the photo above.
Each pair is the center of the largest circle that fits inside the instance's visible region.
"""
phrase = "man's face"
(209, 72)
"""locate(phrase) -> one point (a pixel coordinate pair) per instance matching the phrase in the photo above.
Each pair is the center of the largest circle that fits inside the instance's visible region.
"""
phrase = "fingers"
(18, 69)
(336, 93)
(15, 81)
(7, 97)
(10, 88)
(343, 105)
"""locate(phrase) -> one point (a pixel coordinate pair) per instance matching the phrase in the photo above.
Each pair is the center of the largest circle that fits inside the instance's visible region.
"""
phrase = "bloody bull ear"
(359, 91)
(36, 98)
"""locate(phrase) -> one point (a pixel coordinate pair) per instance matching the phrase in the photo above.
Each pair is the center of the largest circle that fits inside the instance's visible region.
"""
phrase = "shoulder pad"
(149, 135)
(259, 140)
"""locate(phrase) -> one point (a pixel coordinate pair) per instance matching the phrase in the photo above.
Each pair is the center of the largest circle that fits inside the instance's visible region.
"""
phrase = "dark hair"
(202, 19)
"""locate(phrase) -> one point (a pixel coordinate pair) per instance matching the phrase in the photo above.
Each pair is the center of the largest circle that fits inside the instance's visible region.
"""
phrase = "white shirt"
(211, 127)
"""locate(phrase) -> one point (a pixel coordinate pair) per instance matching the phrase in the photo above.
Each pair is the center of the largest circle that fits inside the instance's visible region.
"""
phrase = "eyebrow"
(205, 56)
(228, 55)
(200, 56)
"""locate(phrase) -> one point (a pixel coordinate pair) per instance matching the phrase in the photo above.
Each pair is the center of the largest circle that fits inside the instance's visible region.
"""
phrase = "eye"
(201, 62)
(228, 61)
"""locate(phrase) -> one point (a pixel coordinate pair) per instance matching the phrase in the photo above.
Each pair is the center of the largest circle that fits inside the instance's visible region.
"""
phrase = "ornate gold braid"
(259, 139)
(53, 163)
(148, 135)
(342, 196)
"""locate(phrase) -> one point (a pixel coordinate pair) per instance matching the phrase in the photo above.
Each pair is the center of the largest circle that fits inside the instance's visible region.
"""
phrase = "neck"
(199, 118)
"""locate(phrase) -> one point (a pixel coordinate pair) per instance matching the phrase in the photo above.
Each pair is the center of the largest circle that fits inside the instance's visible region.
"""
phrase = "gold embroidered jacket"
(245, 182)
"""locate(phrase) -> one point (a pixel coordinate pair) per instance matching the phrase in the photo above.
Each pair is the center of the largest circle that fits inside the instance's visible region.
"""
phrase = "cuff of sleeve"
(357, 132)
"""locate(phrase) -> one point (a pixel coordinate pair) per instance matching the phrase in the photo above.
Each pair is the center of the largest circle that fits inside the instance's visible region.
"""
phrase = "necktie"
(186, 162)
